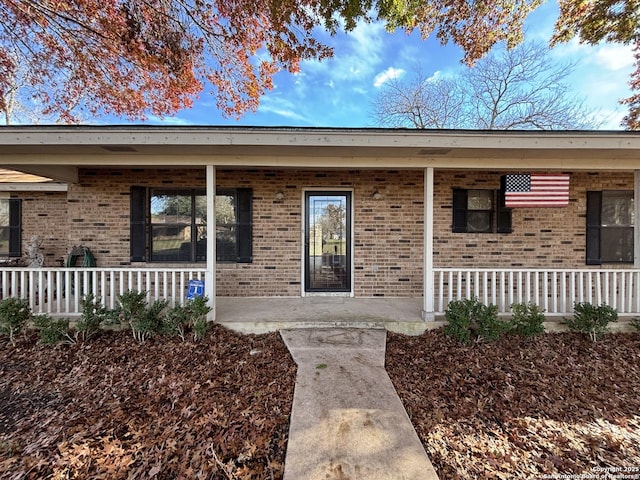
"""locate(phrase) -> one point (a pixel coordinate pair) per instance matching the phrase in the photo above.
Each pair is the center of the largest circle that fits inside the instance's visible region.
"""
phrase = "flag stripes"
(536, 190)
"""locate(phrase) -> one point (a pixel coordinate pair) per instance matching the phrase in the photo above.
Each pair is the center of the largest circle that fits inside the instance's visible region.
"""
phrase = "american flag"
(536, 190)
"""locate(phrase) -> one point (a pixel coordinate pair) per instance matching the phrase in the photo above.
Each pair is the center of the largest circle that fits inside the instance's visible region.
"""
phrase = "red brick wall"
(388, 253)
(542, 237)
(45, 214)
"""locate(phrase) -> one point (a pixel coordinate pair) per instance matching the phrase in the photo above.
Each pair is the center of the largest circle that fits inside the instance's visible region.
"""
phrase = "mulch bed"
(114, 408)
(557, 404)
(219, 409)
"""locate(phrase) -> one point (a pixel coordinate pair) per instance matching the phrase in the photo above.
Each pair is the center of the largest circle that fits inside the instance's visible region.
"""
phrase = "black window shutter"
(15, 227)
(504, 215)
(138, 238)
(594, 211)
(459, 221)
(245, 231)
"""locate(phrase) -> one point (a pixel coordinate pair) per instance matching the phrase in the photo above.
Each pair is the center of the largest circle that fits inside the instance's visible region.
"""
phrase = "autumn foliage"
(594, 21)
(129, 57)
(132, 58)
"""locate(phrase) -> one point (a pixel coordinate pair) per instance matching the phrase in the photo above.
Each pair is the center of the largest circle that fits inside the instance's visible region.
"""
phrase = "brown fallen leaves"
(519, 408)
(117, 409)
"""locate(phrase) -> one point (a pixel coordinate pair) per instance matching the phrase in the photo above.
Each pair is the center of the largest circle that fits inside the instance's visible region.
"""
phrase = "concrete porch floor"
(269, 314)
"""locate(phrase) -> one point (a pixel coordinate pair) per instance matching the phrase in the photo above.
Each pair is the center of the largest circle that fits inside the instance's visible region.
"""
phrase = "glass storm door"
(327, 246)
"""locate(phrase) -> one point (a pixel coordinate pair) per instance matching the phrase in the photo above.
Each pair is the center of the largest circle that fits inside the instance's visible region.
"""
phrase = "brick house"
(360, 213)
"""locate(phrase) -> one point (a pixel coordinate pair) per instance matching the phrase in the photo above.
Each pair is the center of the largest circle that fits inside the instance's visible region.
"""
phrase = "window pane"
(4, 213)
(4, 240)
(225, 210)
(226, 248)
(201, 209)
(617, 244)
(170, 207)
(480, 200)
(201, 244)
(171, 243)
(478, 221)
(617, 208)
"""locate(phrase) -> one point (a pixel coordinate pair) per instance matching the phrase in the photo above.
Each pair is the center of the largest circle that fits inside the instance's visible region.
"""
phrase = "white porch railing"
(58, 291)
(554, 290)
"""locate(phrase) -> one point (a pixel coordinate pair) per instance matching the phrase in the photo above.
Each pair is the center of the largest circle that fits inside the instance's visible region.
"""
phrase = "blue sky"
(338, 92)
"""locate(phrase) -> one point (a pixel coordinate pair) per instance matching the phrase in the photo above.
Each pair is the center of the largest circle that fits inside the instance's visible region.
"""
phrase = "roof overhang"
(57, 151)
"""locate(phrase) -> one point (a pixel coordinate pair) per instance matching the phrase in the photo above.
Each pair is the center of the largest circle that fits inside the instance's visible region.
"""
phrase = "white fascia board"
(287, 137)
(33, 187)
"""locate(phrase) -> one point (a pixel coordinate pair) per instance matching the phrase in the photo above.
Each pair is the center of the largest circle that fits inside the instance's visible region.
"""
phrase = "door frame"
(303, 259)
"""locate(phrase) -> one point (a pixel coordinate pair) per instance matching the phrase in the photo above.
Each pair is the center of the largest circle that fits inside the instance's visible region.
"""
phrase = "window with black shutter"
(169, 225)
(479, 211)
(11, 227)
(610, 225)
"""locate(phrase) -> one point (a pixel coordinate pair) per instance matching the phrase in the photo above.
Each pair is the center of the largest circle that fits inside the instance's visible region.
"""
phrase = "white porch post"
(636, 225)
(428, 293)
(210, 275)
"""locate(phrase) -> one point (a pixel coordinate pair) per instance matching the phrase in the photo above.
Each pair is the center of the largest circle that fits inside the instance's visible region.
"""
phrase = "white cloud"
(436, 75)
(279, 106)
(389, 74)
(614, 57)
(357, 54)
(611, 57)
(176, 121)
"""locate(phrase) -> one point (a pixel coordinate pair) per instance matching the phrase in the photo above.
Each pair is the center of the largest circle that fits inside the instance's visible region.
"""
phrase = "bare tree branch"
(518, 89)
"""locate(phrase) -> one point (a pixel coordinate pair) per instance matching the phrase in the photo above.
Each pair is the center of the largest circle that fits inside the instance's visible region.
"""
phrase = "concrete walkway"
(347, 421)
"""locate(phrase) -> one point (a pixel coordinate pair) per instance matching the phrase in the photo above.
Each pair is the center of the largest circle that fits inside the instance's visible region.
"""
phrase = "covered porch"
(403, 250)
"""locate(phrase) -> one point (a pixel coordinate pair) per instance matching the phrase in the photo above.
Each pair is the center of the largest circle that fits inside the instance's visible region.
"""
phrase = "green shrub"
(591, 320)
(199, 310)
(131, 304)
(145, 320)
(52, 330)
(489, 326)
(469, 320)
(149, 322)
(176, 321)
(528, 319)
(635, 322)
(14, 315)
(459, 315)
(92, 317)
(192, 316)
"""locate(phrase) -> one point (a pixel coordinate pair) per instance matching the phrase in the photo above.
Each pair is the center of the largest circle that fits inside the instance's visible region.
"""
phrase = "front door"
(327, 254)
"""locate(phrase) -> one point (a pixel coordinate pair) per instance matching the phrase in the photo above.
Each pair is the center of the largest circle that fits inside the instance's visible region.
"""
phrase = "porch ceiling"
(61, 149)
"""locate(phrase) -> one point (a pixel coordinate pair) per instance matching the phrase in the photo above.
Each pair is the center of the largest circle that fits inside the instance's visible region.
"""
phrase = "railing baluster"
(631, 287)
(503, 294)
(637, 291)
(183, 287)
(103, 289)
(49, 291)
(554, 288)
(440, 278)
(5, 284)
(476, 284)
(494, 296)
(623, 294)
